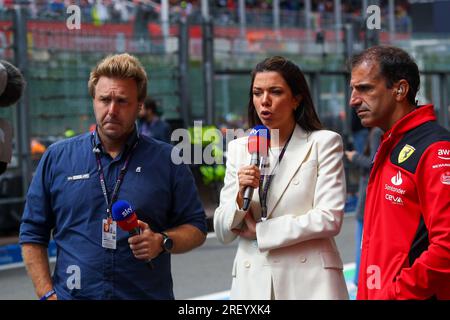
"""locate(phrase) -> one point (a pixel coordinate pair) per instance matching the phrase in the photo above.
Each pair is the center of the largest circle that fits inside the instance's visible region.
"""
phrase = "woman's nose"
(265, 99)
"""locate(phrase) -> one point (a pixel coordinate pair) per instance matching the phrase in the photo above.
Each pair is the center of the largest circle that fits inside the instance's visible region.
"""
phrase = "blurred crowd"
(127, 10)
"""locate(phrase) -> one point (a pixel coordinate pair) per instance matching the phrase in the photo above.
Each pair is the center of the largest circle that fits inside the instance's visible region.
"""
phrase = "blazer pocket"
(331, 260)
(308, 164)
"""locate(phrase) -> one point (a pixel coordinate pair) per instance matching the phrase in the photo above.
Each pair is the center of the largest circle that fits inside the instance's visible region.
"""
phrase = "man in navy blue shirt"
(79, 179)
(150, 124)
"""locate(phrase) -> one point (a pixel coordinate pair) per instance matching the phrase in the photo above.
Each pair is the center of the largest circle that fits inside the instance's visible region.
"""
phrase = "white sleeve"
(228, 215)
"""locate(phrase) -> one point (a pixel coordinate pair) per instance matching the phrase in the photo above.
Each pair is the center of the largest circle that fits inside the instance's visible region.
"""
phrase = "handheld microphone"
(126, 219)
(258, 147)
(12, 84)
(6, 134)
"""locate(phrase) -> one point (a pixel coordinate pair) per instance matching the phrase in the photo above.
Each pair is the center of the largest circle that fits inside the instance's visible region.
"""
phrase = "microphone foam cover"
(121, 209)
(259, 140)
(129, 224)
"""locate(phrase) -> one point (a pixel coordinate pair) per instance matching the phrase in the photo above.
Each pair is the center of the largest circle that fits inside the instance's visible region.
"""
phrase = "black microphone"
(258, 146)
(12, 84)
(6, 134)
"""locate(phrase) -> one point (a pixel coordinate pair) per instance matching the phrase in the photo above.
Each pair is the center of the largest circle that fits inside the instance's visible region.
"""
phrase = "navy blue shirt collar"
(132, 138)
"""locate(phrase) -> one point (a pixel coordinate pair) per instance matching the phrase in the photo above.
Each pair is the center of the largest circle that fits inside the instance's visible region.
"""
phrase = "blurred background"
(198, 55)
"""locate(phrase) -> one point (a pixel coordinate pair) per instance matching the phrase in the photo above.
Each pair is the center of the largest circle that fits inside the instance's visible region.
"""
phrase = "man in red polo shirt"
(406, 236)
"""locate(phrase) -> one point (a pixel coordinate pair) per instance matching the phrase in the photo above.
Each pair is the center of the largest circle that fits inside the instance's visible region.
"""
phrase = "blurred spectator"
(121, 9)
(363, 161)
(37, 149)
(403, 21)
(225, 11)
(150, 124)
(143, 12)
(359, 133)
(100, 13)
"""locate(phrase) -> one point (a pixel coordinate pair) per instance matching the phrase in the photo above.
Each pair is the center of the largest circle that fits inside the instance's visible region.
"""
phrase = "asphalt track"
(204, 273)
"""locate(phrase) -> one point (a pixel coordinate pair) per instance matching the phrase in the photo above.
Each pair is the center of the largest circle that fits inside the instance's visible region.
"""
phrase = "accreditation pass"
(109, 232)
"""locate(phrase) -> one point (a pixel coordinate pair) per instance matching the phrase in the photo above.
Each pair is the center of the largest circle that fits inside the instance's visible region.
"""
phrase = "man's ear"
(402, 88)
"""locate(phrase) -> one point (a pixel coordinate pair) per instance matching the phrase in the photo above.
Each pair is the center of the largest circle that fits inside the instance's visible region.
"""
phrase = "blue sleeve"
(187, 207)
(167, 133)
(37, 219)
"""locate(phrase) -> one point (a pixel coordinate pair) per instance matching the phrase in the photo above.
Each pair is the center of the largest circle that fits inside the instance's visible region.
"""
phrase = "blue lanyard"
(119, 180)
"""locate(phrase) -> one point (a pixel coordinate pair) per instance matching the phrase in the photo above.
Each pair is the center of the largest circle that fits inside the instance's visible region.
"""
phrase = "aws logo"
(444, 154)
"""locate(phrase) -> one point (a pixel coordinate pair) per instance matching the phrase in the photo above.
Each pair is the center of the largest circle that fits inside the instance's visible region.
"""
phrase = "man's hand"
(350, 155)
(147, 245)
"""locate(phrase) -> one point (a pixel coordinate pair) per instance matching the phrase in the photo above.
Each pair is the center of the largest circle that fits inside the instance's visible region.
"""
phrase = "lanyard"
(264, 187)
(122, 173)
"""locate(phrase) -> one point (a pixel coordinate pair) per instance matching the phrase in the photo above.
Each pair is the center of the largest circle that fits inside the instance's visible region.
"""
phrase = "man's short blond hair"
(121, 66)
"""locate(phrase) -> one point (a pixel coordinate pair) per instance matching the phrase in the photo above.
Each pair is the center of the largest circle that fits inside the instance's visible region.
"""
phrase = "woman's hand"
(248, 229)
(248, 176)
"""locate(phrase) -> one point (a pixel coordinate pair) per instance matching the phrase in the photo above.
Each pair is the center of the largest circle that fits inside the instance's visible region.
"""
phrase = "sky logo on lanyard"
(405, 153)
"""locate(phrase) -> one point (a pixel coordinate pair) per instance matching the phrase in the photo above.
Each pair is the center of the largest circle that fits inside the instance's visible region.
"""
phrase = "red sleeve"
(430, 272)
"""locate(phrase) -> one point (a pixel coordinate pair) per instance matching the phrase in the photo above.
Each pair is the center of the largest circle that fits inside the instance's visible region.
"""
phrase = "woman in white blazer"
(292, 253)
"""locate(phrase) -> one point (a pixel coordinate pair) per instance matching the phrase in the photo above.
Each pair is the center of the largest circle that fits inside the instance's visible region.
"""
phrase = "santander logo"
(397, 179)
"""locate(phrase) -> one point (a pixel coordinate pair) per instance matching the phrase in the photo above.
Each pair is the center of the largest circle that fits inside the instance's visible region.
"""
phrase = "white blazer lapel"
(296, 152)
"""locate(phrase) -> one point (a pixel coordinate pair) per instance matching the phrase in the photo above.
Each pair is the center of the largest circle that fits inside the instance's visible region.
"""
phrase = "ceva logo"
(394, 199)
(444, 154)
(126, 212)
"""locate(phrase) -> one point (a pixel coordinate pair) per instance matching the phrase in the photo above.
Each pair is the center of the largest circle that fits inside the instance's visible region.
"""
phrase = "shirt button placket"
(108, 274)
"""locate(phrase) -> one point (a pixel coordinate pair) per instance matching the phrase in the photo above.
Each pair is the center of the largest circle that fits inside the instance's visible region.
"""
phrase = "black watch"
(167, 243)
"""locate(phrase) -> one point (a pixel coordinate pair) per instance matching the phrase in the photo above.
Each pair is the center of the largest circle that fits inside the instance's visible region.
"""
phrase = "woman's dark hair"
(305, 114)
(394, 64)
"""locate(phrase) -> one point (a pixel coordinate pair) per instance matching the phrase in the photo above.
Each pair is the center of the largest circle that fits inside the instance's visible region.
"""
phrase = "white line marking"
(349, 266)
(20, 265)
(211, 235)
(223, 295)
